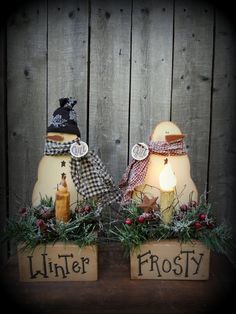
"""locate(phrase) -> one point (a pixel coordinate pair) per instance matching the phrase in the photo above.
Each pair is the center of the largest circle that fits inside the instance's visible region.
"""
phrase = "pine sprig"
(190, 222)
(37, 225)
(128, 225)
(220, 239)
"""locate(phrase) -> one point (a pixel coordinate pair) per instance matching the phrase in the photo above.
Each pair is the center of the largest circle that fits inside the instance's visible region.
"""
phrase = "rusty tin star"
(148, 204)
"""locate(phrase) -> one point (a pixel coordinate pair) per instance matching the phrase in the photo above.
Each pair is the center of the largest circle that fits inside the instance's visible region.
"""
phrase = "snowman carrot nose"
(174, 137)
(57, 138)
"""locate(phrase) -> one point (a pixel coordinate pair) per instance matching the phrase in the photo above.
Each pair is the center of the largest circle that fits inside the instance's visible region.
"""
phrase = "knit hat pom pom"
(67, 102)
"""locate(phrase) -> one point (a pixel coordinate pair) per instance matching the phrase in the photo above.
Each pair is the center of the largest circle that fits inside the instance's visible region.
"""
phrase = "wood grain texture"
(133, 62)
(192, 68)
(67, 56)
(3, 144)
(115, 293)
(170, 260)
(26, 95)
(109, 82)
(152, 35)
(222, 174)
(58, 262)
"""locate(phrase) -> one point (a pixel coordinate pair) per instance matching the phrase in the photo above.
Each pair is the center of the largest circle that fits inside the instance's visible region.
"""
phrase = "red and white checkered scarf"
(136, 170)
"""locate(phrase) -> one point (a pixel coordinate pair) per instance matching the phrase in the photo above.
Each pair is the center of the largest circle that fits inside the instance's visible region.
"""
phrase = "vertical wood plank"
(67, 56)
(3, 144)
(26, 95)
(193, 52)
(152, 36)
(109, 82)
(222, 170)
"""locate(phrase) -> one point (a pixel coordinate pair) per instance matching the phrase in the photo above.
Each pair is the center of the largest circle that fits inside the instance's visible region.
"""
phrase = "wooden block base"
(170, 260)
(58, 262)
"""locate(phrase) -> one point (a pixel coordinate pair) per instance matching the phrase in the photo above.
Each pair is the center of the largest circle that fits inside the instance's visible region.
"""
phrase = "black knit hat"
(64, 118)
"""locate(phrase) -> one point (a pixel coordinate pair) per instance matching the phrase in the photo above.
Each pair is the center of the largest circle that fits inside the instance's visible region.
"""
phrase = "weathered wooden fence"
(130, 64)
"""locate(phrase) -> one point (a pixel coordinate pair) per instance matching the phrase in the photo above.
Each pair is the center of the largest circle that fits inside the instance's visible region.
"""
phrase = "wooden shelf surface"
(115, 292)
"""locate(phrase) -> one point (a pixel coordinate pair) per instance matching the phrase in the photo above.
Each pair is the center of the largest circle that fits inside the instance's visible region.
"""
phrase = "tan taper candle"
(62, 207)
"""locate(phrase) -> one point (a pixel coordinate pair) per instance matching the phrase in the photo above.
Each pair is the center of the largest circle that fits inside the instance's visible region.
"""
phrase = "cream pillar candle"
(167, 192)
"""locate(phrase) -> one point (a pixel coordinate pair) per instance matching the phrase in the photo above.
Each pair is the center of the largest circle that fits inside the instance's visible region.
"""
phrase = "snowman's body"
(49, 175)
(185, 189)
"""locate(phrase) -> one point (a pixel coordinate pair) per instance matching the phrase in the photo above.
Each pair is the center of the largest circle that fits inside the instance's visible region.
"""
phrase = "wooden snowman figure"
(143, 175)
(53, 166)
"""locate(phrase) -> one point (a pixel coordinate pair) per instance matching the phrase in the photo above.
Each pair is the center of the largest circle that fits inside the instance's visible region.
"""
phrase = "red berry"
(197, 225)
(140, 219)
(40, 223)
(202, 217)
(22, 210)
(78, 210)
(128, 221)
(184, 208)
(87, 209)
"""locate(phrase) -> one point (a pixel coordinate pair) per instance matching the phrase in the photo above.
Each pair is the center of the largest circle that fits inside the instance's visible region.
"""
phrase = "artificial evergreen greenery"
(129, 225)
(190, 222)
(37, 225)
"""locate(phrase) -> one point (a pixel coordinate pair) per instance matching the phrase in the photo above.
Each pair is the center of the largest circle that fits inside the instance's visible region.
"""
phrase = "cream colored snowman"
(185, 187)
(62, 129)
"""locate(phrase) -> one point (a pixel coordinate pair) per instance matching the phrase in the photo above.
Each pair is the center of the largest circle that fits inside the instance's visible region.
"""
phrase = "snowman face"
(163, 129)
(61, 137)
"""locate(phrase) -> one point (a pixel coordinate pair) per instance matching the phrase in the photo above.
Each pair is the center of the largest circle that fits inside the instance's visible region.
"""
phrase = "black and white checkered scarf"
(88, 173)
